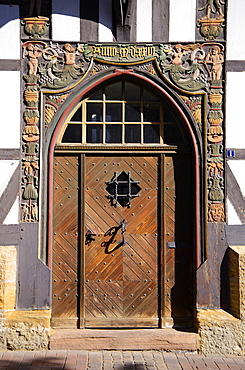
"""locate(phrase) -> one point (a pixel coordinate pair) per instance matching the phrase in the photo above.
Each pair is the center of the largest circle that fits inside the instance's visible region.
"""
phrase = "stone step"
(129, 339)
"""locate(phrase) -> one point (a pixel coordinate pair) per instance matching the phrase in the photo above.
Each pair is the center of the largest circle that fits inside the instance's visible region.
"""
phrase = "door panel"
(169, 233)
(140, 278)
(65, 242)
(182, 293)
(121, 280)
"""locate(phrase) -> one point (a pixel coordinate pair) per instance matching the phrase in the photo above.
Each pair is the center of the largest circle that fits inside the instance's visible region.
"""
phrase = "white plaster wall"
(236, 26)
(144, 21)
(232, 218)
(13, 215)
(66, 20)
(7, 168)
(105, 21)
(9, 32)
(235, 119)
(10, 109)
(238, 170)
(182, 20)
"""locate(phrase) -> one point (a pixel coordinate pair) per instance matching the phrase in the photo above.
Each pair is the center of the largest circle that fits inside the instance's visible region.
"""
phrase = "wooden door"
(121, 266)
(122, 241)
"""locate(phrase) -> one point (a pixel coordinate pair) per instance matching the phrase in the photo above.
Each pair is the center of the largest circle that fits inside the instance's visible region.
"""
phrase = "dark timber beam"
(123, 18)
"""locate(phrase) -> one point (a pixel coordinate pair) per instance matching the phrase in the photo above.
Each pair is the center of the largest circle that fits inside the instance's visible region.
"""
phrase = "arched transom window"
(122, 113)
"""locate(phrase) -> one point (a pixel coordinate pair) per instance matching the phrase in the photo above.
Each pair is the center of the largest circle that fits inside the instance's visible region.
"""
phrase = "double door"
(114, 242)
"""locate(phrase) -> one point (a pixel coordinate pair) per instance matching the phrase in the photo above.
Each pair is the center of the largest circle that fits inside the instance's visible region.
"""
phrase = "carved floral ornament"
(193, 70)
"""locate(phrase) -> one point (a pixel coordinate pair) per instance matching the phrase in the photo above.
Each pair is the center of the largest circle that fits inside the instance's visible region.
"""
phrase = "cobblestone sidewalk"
(116, 360)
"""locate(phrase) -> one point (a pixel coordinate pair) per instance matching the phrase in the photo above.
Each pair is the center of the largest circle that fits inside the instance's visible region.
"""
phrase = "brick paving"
(116, 360)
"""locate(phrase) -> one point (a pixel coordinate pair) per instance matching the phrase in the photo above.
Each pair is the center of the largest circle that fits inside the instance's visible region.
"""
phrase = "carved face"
(216, 213)
(30, 47)
(178, 49)
(215, 50)
(69, 48)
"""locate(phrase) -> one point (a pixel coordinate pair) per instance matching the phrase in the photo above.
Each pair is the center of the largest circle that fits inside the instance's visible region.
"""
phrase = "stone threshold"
(123, 339)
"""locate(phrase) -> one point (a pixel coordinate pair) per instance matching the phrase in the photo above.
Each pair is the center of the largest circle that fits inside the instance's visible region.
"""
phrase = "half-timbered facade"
(122, 168)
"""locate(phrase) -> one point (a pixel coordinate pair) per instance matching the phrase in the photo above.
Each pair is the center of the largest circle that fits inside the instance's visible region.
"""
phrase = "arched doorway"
(124, 207)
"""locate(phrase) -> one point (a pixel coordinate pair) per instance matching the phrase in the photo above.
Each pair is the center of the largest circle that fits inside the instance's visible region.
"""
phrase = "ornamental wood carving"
(55, 69)
(212, 23)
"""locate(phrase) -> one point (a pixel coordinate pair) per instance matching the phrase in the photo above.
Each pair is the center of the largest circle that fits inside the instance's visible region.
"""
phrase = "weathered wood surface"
(8, 154)
(160, 14)
(33, 275)
(235, 66)
(9, 234)
(235, 234)
(65, 240)
(210, 275)
(123, 285)
(121, 282)
(10, 65)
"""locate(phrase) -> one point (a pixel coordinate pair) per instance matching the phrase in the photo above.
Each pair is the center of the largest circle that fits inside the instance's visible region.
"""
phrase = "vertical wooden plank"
(82, 242)
(160, 21)
(162, 257)
(169, 237)
(65, 242)
(33, 276)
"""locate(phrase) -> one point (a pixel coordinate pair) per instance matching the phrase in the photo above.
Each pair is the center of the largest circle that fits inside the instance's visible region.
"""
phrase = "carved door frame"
(186, 119)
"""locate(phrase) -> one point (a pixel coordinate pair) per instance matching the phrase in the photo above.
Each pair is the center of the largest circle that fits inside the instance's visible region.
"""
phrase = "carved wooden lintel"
(193, 70)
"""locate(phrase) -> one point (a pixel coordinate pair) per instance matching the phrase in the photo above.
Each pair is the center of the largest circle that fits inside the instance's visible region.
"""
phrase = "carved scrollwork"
(193, 70)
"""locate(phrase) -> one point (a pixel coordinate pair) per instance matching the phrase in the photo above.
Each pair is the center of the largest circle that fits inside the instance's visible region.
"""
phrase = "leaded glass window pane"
(132, 133)
(94, 112)
(113, 134)
(73, 134)
(151, 134)
(94, 134)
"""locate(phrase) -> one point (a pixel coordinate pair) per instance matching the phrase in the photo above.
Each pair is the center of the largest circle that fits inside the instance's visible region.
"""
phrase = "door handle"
(89, 237)
(122, 226)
